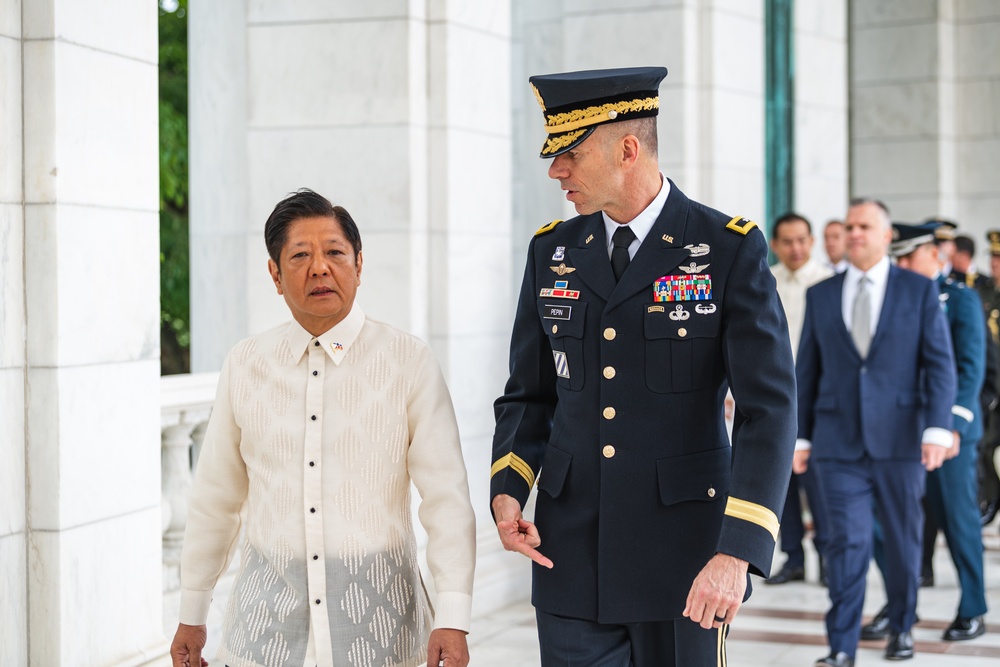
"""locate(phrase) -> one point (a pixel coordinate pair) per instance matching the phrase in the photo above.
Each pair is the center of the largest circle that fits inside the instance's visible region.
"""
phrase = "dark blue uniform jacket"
(615, 406)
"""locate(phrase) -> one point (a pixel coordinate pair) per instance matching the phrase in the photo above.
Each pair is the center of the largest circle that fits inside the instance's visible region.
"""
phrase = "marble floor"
(782, 626)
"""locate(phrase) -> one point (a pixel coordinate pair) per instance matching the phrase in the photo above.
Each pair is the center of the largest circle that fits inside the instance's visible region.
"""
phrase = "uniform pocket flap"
(555, 467)
(680, 321)
(703, 476)
(562, 319)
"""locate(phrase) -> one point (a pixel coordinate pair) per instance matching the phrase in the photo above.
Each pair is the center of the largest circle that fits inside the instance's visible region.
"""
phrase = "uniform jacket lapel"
(660, 253)
(591, 260)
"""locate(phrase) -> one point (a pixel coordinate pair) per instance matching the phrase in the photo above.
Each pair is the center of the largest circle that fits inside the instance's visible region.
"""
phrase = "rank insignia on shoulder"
(545, 229)
(562, 269)
(696, 287)
(741, 225)
(693, 268)
(560, 253)
(697, 250)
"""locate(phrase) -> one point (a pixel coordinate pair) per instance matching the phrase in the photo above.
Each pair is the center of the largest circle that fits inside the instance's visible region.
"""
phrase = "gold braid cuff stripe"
(552, 145)
(754, 513)
(514, 461)
(574, 120)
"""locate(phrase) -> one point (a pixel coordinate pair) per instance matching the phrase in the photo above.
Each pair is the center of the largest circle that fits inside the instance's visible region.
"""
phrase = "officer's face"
(792, 244)
(924, 260)
(590, 174)
(319, 273)
(868, 235)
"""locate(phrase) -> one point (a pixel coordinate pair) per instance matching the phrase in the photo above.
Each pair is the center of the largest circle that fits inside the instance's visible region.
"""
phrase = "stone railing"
(185, 403)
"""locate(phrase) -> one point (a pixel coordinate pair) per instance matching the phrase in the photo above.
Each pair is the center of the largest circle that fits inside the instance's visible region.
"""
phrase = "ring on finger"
(720, 619)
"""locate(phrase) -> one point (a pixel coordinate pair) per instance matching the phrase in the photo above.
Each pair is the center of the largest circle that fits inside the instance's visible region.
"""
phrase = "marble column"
(84, 261)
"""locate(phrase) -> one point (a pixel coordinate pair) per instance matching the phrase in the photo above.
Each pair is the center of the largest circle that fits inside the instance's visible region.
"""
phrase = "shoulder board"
(547, 228)
(741, 225)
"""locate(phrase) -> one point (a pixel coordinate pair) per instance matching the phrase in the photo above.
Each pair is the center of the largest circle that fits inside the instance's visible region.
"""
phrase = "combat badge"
(562, 367)
(697, 250)
(562, 269)
(560, 254)
(696, 287)
(560, 291)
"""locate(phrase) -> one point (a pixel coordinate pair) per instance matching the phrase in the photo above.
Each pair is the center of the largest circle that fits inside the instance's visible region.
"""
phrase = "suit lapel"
(835, 308)
(660, 252)
(889, 302)
(591, 258)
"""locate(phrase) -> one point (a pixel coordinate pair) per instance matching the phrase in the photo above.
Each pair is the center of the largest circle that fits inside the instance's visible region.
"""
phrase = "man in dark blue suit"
(876, 384)
(633, 320)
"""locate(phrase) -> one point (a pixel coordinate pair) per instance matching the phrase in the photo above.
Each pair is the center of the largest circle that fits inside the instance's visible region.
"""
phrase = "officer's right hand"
(516, 534)
(185, 651)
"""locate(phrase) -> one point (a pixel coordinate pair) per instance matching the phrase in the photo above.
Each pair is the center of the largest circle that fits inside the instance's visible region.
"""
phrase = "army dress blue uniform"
(615, 405)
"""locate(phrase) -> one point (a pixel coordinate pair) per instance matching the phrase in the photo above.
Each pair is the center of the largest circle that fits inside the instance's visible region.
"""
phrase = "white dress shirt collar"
(642, 223)
(336, 341)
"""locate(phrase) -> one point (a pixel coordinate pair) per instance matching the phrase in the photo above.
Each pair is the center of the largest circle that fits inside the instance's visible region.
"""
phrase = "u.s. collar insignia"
(697, 250)
(562, 269)
(589, 239)
(559, 254)
(668, 238)
(693, 268)
(705, 309)
(679, 314)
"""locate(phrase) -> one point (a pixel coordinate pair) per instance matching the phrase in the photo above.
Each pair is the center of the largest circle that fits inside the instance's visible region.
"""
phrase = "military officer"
(951, 489)
(633, 320)
(989, 480)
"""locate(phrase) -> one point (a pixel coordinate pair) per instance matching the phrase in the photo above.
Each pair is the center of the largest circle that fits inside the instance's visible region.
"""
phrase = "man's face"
(961, 261)
(792, 244)
(947, 249)
(924, 260)
(868, 235)
(995, 267)
(590, 175)
(318, 276)
(835, 242)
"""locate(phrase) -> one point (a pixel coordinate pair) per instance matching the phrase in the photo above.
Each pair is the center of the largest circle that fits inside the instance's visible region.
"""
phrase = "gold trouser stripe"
(754, 513)
(514, 461)
(721, 654)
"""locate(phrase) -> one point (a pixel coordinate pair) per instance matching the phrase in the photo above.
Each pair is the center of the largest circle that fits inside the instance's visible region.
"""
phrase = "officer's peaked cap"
(575, 103)
(907, 238)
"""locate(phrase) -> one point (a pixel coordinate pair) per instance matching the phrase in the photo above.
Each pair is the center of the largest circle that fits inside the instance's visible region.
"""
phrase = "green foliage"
(175, 305)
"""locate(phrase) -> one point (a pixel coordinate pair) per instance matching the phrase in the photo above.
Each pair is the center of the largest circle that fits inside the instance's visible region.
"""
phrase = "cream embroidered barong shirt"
(314, 441)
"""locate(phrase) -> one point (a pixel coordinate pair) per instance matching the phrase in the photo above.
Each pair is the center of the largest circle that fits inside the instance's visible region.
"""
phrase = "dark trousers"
(792, 529)
(850, 489)
(574, 642)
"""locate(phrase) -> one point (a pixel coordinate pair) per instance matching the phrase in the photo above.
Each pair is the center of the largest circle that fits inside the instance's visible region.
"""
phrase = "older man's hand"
(516, 534)
(185, 651)
(932, 456)
(447, 648)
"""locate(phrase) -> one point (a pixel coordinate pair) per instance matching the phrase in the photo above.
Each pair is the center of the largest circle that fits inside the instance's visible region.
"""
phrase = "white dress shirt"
(642, 223)
(792, 286)
(313, 443)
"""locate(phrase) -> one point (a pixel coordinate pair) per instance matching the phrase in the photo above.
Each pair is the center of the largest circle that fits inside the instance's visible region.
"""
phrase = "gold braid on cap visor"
(562, 141)
(574, 120)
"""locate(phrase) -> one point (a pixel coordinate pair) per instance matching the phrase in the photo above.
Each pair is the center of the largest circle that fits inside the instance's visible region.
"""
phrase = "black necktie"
(622, 239)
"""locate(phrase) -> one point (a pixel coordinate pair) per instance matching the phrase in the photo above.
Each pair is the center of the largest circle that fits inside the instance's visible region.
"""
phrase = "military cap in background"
(993, 236)
(945, 230)
(575, 103)
(906, 238)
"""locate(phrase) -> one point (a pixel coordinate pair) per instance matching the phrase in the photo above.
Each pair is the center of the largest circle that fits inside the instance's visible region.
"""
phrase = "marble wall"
(79, 334)
(13, 529)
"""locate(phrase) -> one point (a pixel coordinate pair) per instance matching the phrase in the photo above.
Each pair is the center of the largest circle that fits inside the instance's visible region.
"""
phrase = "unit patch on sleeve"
(697, 287)
(562, 368)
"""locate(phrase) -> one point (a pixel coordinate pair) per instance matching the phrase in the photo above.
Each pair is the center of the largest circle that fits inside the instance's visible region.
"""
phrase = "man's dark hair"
(787, 218)
(305, 204)
(965, 244)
